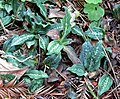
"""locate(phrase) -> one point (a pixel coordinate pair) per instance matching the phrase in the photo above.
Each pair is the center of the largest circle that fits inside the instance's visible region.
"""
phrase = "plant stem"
(93, 94)
(63, 37)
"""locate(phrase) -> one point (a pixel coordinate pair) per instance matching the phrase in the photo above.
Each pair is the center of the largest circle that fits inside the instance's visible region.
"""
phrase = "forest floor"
(33, 65)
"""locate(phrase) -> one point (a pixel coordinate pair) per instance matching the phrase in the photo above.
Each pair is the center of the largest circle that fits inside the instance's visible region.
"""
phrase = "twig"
(72, 83)
(112, 91)
(5, 30)
(22, 61)
(39, 52)
(103, 70)
(90, 89)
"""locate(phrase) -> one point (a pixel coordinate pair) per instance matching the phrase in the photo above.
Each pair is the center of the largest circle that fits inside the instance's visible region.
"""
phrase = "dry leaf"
(8, 68)
(54, 34)
(56, 13)
(71, 54)
(54, 76)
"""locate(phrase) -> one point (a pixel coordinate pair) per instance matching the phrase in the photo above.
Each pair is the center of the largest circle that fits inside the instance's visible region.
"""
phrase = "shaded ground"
(61, 83)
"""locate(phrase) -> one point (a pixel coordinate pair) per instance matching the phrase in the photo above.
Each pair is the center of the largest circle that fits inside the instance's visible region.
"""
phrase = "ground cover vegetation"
(59, 49)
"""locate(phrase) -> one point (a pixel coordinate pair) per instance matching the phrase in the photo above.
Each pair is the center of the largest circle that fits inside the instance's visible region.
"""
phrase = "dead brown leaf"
(54, 34)
(56, 13)
(8, 68)
(71, 54)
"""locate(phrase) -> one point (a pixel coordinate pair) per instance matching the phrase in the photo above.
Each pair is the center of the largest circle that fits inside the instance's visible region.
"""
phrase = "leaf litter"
(61, 83)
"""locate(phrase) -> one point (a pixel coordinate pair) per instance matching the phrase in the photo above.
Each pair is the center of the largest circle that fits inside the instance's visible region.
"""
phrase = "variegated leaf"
(104, 84)
(66, 22)
(95, 33)
(54, 47)
(18, 40)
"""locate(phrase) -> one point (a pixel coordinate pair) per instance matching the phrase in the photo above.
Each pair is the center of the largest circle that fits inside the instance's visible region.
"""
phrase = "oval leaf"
(53, 60)
(66, 22)
(93, 58)
(95, 33)
(104, 84)
(35, 74)
(43, 42)
(22, 39)
(42, 8)
(86, 49)
(54, 47)
(77, 30)
(31, 43)
(6, 20)
(77, 69)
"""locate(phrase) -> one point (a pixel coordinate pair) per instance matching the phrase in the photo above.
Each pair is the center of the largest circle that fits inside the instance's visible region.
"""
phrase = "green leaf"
(30, 43)
(109, 49)
(66, 41)
(35, 84)
(19, 56)
(35, 74)
(13, 61)
(27, 81)
(93, 59)
(7, 44)
(7, 77)
(42, 8)
(94, 1)
(21, 13)
(77, 30)
(116, 11)
(6, 20)
(95, 24)
(104, 84)
(57, 26)
(78, 69)
(1, 5)
(43, 42)
(8, 8)
(22, 39)
(53, 60)
(42, 1)
(29, 62)
(54, 47)
(66, 22)
(38, 19)
(15, 6)
(95, 33)
(94, 11)
(86, 49)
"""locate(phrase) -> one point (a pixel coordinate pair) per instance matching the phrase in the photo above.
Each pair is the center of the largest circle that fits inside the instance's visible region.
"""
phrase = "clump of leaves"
(90, 57)
(37, 25)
